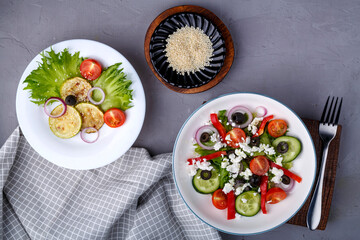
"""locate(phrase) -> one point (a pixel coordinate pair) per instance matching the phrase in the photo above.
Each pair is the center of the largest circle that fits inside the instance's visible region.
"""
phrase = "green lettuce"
(54, 68)
(116, 87)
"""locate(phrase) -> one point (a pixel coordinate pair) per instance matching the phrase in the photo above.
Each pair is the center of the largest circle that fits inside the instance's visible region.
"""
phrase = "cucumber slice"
(76, 86)
(294, 147)
(91, 115)
(206, 186)
(248, 203)
(66, 126)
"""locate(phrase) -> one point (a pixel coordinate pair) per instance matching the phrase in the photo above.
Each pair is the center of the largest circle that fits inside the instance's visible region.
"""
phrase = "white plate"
(73, 153)
(201, 205)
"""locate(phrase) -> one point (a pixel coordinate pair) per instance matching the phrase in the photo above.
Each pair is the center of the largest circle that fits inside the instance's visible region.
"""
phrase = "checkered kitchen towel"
(133, 198)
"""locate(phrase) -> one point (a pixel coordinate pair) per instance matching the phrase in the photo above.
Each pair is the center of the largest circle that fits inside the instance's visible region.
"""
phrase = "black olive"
(247, 189)
(238, 118)
(254, 180)
(205, 174)
(239, 182)
(247, 160)
(70, 100)
(285, 180)
(282, 147)
(255, 141)
(205, 137)
(231, 151)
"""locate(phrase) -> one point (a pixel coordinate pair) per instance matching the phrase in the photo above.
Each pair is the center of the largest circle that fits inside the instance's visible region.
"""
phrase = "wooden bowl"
(167, 23)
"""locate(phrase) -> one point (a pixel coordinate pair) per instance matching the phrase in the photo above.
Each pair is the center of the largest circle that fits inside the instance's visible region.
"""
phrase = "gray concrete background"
(298, 52)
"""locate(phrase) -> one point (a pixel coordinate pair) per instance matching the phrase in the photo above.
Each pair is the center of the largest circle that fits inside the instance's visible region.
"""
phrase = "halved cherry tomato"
(219, 199)
(90, 69)
(114, 117)
(277, 128)
(275, 195)
(259, 165)
(237, 135)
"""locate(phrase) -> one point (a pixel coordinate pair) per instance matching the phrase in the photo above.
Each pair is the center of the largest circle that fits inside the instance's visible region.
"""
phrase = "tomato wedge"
(236, 136)
(275, 195)
(219, 199)
(90, 69)
(114, 117)
(277, 128)
(259, 165)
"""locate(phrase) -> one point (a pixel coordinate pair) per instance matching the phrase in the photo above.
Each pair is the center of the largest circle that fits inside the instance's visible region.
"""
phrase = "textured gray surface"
(298, 52)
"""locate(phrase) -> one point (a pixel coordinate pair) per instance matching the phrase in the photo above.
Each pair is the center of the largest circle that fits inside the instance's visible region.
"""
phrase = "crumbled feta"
(232, 156)
(232, 181)
(240, 189)
(277, 175)
(198, 177)
(267, 149)
(217, 146)
(252, 127)
(255, 193)
(240, 154)
(227, 188)
(204, 165)
(192, 169)
(278, 160)
(244, 200)
(246, 174)
(214, 137)
(233, 168)
(224, 164)
(228, 138)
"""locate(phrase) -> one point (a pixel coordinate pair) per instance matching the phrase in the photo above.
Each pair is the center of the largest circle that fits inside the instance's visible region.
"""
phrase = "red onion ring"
(241, 109)
(260, 111)
(208, 129)
(55, 99)
(92, 100)
(287, 188)
(83, 132)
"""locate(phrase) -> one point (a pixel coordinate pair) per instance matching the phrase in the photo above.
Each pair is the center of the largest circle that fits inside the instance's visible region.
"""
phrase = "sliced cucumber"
(91, 116)
(77, 87)
(248, 203)
(294, 147)
(206, 186)
(66, 126)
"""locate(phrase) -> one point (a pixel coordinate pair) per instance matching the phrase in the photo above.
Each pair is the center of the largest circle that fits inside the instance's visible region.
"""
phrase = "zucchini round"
(66, 126)
(77, 87)
(206, 186)
(91, 116)
(294, 147)
(248, 203)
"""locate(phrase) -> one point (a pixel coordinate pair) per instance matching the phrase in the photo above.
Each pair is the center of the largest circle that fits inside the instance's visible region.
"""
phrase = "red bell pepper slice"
(286, 172)
(207, 157)
(230, 205)
(263, 190)
(215, 121)
(261, 129)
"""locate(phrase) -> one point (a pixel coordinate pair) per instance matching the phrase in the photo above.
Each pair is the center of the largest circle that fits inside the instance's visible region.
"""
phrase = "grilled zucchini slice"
(76, 86)
(91, 116)
(66, 126)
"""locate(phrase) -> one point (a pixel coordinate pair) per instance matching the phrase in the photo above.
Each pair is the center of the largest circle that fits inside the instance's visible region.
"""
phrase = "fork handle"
(314, 212)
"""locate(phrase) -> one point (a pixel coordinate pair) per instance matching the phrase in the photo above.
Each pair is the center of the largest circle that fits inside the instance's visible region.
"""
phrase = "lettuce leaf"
(116, 87)
(54, 68)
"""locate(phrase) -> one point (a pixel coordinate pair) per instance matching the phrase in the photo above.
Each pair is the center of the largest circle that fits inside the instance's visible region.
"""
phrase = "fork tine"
(329, 111)
(333, 112)
(338, 113)
(324, 111)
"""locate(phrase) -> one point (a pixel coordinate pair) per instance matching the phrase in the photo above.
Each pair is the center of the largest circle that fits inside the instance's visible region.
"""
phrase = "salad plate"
(74, 153)
(201, 204)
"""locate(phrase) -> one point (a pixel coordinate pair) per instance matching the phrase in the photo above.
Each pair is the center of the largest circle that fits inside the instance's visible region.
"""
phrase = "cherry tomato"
(219, 199)
(90, 69)
(114, 117)
(275, 195)
(277, 128)
(259, 165)
(237, 135)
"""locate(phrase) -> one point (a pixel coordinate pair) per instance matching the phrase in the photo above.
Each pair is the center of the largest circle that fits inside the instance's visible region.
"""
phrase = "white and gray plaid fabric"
(133, 198)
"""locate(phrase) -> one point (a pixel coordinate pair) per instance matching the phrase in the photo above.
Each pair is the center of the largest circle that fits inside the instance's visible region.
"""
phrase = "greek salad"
(78, 95)
(244, 159)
